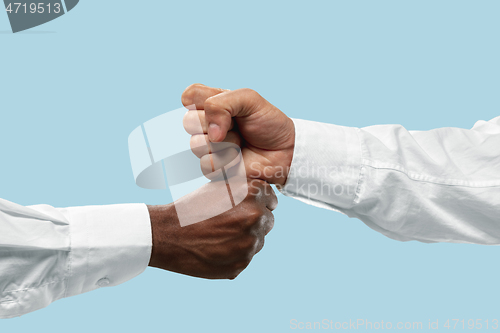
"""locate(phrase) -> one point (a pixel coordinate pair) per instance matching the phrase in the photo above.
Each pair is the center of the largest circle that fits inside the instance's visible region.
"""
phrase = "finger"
(260, 245)
(194, 122)
(212, 163)
(270, 197)
(219, 110)
(269, 224)
(239, 267)
(200, 145)
(264, 192)
(197, 94)
(265, 228)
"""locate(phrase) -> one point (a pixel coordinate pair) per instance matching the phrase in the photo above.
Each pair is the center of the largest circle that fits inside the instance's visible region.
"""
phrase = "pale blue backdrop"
(73, 89)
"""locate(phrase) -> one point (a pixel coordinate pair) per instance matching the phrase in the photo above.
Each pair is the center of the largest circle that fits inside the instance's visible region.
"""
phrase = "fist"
(220, 247)
(244, 118)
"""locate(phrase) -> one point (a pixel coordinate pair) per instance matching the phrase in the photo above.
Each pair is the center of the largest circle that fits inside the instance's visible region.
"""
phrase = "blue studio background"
(73, 89)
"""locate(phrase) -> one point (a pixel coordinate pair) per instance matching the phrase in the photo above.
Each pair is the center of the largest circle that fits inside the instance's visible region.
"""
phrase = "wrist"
(288, 152)
(162, 218)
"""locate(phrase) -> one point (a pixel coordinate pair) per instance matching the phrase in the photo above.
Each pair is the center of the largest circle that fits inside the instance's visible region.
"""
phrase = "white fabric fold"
(48, 253)
(441, 185)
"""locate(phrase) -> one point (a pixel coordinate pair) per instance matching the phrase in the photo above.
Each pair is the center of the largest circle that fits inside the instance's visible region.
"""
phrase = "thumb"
(197, 93)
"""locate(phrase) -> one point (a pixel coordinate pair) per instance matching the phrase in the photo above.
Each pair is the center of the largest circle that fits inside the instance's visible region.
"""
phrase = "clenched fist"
(244, 118)
(220, 247)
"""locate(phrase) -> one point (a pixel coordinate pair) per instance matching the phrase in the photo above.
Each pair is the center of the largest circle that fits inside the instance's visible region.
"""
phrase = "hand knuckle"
(254, 216)
(210, 104)
(239, 266)
(248, 91)
(194, 141)
(255, 188)
(189, 94)
(206, 165)
(271, 221)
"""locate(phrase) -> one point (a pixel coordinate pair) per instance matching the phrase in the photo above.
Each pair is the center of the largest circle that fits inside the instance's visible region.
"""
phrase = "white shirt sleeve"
(48, 253)
(441, 185)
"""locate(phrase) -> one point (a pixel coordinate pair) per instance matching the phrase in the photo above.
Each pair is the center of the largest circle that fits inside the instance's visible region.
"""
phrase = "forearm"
(49, 253)
(440, 185)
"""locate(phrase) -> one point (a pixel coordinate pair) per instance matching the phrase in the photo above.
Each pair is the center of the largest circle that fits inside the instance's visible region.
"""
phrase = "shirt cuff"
(109, 245)
(326, 165)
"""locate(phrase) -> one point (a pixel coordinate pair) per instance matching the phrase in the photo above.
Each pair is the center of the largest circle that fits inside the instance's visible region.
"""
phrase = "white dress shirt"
(48, 253)
(441, 185)
(435, 186)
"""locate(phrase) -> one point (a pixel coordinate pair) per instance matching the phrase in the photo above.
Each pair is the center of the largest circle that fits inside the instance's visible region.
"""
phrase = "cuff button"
(103, 282)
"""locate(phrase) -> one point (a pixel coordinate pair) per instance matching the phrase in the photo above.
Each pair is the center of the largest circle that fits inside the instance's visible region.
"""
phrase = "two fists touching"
(223, 246)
